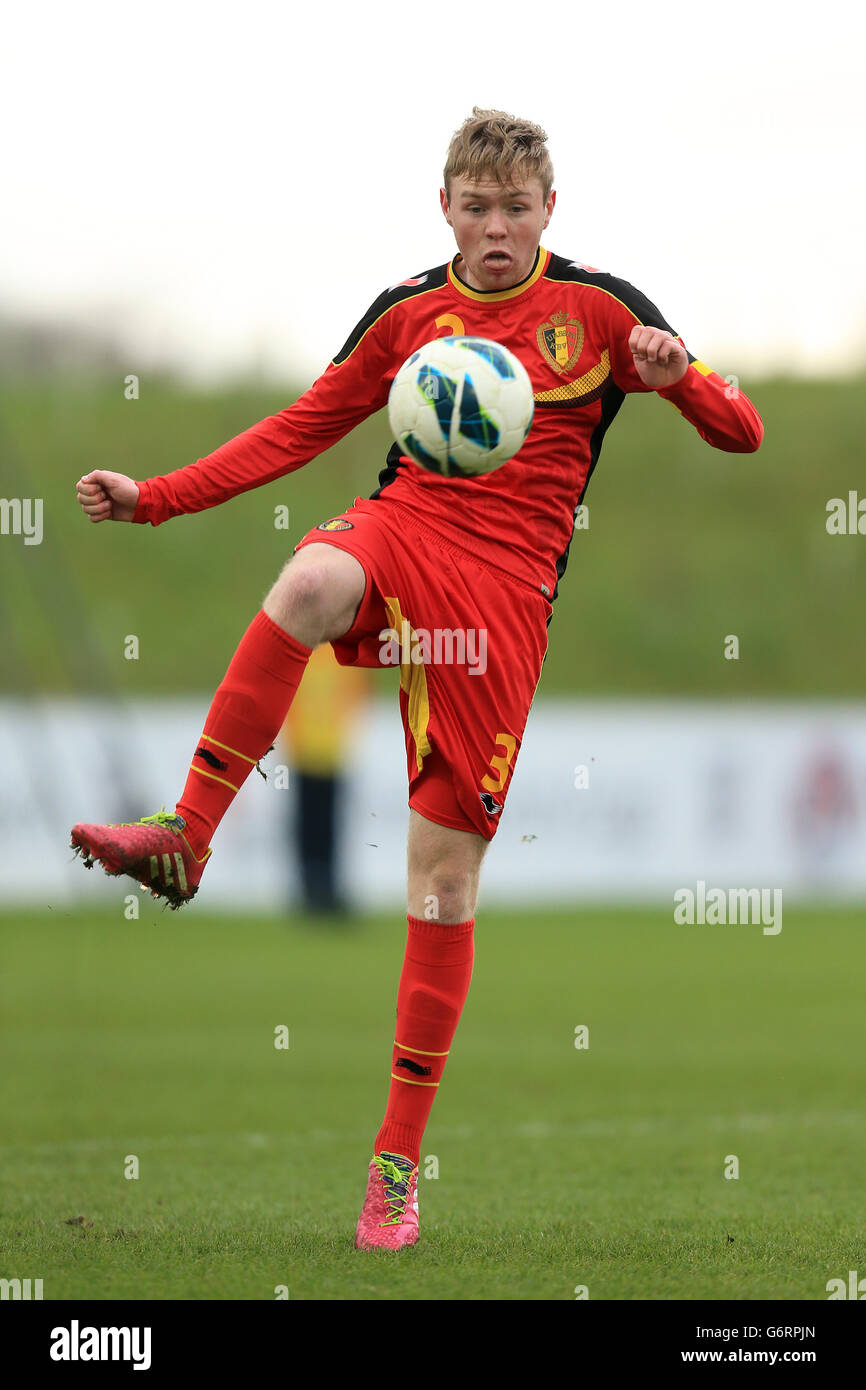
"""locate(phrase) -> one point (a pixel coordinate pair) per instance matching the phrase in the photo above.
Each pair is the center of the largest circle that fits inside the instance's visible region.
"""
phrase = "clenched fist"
(660, 360)
(107, 496)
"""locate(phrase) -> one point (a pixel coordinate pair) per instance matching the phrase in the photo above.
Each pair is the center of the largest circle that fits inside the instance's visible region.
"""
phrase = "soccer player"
(483, 555)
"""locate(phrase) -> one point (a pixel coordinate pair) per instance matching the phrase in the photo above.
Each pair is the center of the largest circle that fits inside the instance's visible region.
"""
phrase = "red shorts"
(468, 641)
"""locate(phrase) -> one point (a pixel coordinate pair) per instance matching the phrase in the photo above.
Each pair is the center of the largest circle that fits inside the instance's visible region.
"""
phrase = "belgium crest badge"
(560, 340)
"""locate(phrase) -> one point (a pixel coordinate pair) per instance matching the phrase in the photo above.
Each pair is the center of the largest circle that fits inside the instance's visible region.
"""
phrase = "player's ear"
(443, 203)
(549, 206)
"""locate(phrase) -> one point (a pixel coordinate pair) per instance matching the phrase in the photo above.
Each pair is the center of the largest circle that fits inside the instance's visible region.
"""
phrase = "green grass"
(557, 1167)
(686, 545)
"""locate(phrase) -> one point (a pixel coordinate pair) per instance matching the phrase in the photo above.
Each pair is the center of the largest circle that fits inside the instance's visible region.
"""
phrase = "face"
(497, 229)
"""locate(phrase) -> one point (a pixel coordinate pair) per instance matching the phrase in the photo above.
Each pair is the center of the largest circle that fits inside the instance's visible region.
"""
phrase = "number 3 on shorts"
(500, 762)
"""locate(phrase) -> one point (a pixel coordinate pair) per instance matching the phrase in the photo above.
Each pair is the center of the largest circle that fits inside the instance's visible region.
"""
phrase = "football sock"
(433, 987)
(247, 713)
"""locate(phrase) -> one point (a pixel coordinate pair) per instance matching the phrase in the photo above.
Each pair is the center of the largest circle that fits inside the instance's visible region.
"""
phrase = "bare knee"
(449, 894)
(317, 595)
(444, 871)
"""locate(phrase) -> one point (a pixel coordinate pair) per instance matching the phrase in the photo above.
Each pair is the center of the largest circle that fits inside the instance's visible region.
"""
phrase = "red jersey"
(567, 322)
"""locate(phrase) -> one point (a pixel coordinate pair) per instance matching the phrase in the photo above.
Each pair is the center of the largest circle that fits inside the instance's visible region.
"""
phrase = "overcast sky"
(228, 187)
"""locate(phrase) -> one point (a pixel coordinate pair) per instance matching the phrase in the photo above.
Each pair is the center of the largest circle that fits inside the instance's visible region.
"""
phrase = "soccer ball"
(461, 406)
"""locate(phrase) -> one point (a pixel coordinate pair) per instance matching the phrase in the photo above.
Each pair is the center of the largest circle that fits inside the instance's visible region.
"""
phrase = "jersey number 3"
(500, 762)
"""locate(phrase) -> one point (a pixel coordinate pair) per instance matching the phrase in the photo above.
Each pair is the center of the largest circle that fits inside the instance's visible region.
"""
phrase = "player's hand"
(660, 360)
(107, 496)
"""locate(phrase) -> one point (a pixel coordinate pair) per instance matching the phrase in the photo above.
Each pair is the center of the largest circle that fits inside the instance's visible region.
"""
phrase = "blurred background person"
(317, 737)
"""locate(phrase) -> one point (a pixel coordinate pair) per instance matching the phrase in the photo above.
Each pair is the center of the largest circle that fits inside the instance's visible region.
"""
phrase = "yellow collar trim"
(494, 296)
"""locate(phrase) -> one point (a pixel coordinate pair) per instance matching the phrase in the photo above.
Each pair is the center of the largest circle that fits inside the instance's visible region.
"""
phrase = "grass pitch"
(685, 544)
(558, 1167)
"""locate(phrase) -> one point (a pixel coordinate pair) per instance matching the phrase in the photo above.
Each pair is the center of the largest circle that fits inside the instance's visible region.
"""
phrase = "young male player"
(482, 555)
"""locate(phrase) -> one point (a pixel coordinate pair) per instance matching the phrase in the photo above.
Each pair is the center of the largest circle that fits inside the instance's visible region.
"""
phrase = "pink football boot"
(389, 1218)
(154, 851)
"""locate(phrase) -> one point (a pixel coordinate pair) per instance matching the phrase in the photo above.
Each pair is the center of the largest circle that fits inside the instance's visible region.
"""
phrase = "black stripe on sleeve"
(611, 400)
(416, 284)
(635, 301)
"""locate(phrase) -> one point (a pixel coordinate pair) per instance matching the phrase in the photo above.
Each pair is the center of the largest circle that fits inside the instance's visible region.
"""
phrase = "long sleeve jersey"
(568, 323)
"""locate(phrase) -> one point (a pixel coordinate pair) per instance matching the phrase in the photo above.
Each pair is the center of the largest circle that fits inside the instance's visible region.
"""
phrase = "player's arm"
(354, 386)
(648, 355)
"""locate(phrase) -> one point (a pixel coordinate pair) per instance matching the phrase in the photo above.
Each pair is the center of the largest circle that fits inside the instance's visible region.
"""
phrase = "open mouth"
(497, 260)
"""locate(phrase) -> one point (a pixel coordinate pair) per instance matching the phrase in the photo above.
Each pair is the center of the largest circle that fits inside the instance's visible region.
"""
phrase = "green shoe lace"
(170, 819)
(395, 1179)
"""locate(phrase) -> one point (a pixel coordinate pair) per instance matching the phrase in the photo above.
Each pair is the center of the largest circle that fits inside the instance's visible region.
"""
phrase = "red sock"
(433, 989)
(247, 713)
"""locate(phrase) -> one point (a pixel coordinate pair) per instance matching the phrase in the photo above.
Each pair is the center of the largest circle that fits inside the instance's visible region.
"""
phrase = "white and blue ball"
(461, 406)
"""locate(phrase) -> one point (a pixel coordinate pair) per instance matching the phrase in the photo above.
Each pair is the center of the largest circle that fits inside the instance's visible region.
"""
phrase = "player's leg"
(464, 722)
(444, 868)
(317, 594)
(314, 600)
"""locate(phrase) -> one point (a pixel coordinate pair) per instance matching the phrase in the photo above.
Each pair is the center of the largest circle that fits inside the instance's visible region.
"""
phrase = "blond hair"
(494, 144)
